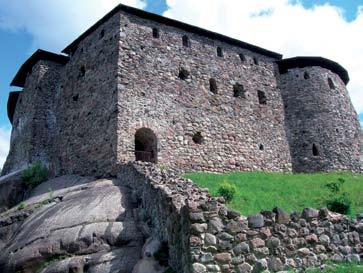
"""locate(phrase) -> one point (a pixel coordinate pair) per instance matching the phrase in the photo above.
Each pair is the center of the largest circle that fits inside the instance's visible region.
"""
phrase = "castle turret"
(31, 111)
(321, 123)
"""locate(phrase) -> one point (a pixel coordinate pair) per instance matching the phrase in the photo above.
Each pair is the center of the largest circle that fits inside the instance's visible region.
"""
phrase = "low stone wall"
(205, 236)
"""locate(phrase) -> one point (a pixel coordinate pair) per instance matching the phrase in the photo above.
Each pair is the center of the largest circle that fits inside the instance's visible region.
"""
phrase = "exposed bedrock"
(72, 224)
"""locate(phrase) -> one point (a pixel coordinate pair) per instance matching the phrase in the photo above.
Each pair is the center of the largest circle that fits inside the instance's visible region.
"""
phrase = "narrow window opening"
(261, 97)
(156, 33)
(213, 86)
(261, 147)
(186, 41)
(82, 72)
(219, 52)
(315, 150)
(239, 91)
(255, 61)
(198, 138)
(242, 57)
(306, 75)
(102, 33)
(331, 83)
(183, 73)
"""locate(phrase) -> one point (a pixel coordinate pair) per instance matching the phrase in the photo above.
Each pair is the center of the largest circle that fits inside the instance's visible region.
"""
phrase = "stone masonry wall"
(131, 73)
(238, 133)
(321, 115)
(86, 107)
(205, 236)
(34, 123)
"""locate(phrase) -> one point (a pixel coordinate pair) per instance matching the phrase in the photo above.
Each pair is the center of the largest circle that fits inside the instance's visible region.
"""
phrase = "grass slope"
(348, 268)
(291, 192)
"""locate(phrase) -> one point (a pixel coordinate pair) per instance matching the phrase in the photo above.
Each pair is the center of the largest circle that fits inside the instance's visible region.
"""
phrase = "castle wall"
(203, 235)
(209, 110)
(239, 133)
(34, 120)
(86, 106)
(321, 115)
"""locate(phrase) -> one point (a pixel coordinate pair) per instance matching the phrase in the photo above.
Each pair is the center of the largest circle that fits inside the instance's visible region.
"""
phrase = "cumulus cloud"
(55, 24)
(4, 144)
(286, 27)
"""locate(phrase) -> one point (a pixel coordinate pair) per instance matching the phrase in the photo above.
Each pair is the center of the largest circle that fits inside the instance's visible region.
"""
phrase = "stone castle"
(138, 86)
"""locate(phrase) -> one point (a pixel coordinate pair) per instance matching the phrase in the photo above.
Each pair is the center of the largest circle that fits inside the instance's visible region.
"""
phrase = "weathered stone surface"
(256, 221)
(12, 190)
(260, 265)
(241, 248)
(223, 258)
(275, 264)
(199, 228)
(310, 213)
(257, 243)
(199, 268)
(281, 216)
(100, 218)
(324, 239)
(312, 239)
(215, 225)
(87, 219)
(245, 268)
(202, 90)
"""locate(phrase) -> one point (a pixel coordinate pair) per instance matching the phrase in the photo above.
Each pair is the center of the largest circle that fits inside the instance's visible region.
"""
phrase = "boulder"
(88, 219)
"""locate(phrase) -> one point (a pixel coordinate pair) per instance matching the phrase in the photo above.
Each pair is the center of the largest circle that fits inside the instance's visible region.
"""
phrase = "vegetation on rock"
(35, 175)
(21, 206)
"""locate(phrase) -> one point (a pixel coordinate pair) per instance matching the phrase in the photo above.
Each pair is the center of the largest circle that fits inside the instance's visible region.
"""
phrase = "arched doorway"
(146, 145)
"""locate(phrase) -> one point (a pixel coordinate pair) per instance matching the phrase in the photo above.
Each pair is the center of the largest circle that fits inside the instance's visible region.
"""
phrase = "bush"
(22, 206)
(35, 175)
(338, 201)
(227, 191)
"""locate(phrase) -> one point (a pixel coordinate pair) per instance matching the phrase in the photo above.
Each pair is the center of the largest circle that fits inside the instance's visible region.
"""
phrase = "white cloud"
(4, 144)
(286, 27)
(53, 24)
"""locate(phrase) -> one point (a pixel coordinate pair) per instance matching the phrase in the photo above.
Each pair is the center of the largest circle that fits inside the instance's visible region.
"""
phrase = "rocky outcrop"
(12, 190)
(72, 224)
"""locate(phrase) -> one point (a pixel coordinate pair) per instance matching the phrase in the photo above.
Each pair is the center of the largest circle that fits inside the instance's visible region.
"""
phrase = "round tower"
(321, 123)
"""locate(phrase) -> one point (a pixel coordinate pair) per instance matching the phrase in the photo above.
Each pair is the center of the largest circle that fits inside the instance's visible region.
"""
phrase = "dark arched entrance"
(146, 145)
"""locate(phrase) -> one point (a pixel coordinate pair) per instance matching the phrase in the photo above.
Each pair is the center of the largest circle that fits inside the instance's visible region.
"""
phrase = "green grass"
(291, 192)
(345, 268)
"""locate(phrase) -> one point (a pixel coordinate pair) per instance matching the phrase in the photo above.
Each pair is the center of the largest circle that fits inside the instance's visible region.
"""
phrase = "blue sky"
(53, 26)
